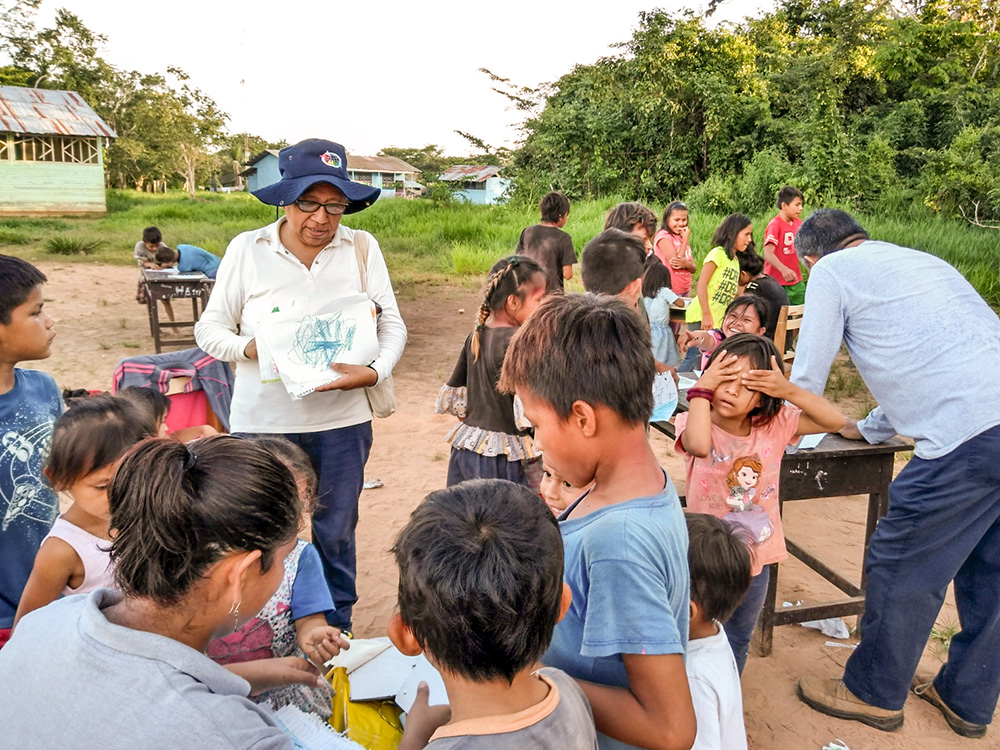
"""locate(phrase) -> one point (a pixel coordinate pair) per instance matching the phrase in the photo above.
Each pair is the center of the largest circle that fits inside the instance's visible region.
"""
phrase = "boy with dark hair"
(612, 263)
(754, 281)
(29, 404)
(188, 259)
(633, 218)
(779, 245)
(583, 368)
(720, 576)
(547, 243)
(145, 249)
(480, 589)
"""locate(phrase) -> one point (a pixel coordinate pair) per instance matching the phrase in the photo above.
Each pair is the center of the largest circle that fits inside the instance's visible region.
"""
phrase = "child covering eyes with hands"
(743, 412)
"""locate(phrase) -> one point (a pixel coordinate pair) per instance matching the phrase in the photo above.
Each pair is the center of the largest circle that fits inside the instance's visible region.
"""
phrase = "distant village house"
(394, 176)
(51, 155)
(477, 184)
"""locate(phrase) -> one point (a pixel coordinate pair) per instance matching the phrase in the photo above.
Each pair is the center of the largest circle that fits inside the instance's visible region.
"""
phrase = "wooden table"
(836, 467)
(160, 286)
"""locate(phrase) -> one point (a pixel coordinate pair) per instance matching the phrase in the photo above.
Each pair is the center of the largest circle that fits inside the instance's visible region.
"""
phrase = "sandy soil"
(98, 323)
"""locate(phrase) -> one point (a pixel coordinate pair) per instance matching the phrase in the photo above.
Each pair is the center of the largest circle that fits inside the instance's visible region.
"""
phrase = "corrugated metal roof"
(378, 164)
(45, 112)
(469, 173)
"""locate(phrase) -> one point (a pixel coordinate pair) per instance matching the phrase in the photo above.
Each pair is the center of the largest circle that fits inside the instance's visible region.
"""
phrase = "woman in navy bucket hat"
(308, 255)
(311, 161)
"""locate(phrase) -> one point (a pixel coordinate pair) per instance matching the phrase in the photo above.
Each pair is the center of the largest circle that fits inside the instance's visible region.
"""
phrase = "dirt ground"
(99, 323)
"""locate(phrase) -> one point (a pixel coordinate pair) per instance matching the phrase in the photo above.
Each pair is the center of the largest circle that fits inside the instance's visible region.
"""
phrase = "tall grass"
(425, 242)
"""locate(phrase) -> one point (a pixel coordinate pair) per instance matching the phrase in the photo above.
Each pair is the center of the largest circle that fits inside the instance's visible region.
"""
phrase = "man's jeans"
(339, 457)
(943, 524)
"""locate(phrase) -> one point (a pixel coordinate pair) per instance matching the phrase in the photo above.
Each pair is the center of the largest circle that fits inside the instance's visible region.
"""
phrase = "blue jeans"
(339, 457)
(739, 627)
(943, 524)
(470, 465)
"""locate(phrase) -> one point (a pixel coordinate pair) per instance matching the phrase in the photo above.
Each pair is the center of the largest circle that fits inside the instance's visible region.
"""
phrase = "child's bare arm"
(269, 674)
(654, 712)
(56, 566)
(818, 414)
(319, 641)
(706, 312)
(697, 435)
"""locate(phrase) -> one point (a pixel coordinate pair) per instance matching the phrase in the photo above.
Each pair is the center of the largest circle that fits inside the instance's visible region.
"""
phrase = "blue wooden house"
(477, 184)
(393, 176)
(51, 153)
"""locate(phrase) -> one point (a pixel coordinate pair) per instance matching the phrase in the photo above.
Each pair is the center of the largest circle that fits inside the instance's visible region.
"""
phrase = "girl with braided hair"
(488, 442)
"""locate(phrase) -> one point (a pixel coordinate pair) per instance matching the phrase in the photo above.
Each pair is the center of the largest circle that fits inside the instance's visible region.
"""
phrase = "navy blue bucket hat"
(304, 164)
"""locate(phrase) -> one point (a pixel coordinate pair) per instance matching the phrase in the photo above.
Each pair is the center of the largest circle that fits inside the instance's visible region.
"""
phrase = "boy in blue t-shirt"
(189, 258)
(29, 404)
(582, 366)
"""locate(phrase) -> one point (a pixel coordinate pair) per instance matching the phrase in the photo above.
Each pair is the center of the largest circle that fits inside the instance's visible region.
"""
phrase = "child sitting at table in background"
(671, 245)
(732, 440)
(145, 249)
(488, 443)
(658, 298)
(583, 368)
(753, 280)
(88, 441)
(188, 259)
(720, 576)
(267, 651)
(480, 590)
(636, 219)
(157, 405)
(745, 314)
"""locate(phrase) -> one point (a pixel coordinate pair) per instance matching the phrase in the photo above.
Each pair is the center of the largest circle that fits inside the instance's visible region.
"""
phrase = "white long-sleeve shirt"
(257, 275)
(925, 342)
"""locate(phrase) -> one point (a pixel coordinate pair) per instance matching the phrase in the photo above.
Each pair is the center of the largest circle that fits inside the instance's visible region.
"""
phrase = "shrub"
(71, 245)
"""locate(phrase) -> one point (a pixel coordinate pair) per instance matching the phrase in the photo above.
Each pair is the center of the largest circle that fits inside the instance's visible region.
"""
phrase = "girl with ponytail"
(488, 443)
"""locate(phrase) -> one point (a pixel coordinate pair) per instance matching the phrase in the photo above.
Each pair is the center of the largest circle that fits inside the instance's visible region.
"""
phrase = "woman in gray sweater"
(202, 533)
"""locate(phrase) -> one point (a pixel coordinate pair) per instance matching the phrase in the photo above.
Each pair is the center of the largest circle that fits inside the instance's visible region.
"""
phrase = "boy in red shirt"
(779, 245)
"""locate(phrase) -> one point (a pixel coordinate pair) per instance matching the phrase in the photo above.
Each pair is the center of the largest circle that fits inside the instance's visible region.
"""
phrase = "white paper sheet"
(808, 442)
(309, 732)
(302, 344)
(422, 672)
(379, 671)
(684, 383)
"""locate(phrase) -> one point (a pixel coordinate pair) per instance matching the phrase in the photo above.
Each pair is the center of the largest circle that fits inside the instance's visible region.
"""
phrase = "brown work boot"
(923, 687)
(829, 695)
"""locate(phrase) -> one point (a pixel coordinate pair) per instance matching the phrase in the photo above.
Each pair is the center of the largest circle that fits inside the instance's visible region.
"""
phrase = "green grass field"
(428, 243)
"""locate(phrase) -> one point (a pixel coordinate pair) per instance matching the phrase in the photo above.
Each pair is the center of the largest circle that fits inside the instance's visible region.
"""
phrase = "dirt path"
(98, 323)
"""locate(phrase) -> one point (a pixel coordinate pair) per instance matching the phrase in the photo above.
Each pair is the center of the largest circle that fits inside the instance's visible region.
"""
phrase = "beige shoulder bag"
(382, 395)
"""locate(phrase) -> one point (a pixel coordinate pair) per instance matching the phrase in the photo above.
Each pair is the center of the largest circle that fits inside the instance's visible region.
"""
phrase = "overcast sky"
(368, 74)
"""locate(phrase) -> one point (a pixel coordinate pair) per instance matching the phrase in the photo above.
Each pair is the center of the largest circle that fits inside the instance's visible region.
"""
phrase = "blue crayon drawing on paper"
(320, 340)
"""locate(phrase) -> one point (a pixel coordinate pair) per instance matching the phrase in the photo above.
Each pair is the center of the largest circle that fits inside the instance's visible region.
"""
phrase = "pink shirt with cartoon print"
(738, 482)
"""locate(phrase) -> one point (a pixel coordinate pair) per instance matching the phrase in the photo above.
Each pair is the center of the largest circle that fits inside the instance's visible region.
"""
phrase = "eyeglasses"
(311, 207)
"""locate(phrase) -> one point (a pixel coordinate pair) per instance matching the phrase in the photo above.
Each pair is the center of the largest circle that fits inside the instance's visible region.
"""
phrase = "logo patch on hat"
(331, 159)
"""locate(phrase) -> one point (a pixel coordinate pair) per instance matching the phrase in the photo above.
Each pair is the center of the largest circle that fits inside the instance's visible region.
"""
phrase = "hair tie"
(189, 459)
(479, 326)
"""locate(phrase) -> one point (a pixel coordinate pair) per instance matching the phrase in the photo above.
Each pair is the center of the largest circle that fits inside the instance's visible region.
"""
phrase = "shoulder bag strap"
(361, 254)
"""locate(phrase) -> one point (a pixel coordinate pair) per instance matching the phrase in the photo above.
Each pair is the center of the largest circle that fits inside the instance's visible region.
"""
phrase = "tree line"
(878, 105)
(169, 131)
